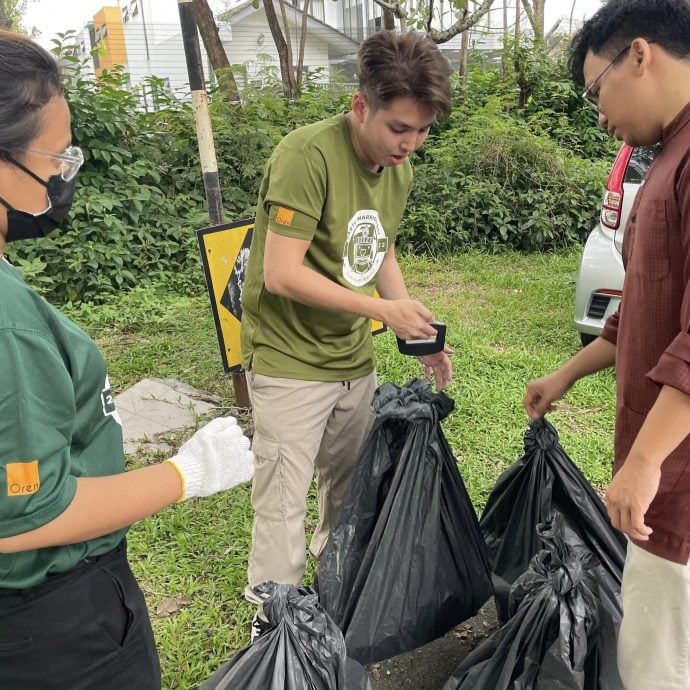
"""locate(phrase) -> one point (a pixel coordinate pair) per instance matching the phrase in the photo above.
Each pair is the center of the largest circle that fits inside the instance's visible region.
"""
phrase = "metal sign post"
(207, 151)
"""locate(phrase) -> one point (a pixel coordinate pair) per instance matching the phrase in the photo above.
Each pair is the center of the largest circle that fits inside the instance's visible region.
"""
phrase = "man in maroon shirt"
(633, 57)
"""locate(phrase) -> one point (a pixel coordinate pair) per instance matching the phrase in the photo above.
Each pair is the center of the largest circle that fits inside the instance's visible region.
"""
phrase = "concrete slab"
(155, 406)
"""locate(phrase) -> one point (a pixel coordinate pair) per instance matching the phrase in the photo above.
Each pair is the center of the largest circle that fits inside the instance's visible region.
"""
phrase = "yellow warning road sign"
(224, 254)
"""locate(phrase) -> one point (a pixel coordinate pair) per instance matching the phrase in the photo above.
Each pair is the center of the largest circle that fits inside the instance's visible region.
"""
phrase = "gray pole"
(207, 151)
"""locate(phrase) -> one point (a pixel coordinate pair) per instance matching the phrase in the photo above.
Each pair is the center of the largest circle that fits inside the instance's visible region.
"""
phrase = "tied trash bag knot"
(552, 640)
(415, 401)
(302, 600)
(540, 434)
(561, 565)
(303, 648)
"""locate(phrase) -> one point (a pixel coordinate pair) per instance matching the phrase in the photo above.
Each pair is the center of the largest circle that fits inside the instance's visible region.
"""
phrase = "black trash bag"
(551, 639)
(303, 650)
(545, 479)
(406, 560)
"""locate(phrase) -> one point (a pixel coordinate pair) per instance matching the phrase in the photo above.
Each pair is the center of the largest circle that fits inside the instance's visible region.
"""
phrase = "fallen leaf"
(171, 605)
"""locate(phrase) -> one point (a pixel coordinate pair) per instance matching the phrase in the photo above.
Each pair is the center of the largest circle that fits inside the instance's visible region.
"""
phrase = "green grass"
(509, 320)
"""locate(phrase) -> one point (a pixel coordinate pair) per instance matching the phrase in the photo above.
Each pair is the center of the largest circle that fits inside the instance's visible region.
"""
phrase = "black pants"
(81, 630)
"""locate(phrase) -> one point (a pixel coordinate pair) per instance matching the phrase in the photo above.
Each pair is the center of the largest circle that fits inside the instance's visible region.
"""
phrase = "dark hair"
(30, 77)
(619, 22)
(391, 66)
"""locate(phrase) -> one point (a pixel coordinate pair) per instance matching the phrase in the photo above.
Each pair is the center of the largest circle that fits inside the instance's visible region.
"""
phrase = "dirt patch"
(429, 667)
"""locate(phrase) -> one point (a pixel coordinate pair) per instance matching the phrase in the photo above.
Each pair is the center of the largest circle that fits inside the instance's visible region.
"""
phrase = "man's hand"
(439, 366)
(407, 318)
(542, 393)
(630, 495)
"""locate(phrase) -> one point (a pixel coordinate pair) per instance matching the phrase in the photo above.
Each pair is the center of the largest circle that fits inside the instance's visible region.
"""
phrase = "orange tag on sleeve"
(22, 478)
(284, 216)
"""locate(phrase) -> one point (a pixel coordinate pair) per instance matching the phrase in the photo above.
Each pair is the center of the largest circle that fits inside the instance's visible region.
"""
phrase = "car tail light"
(613, 195)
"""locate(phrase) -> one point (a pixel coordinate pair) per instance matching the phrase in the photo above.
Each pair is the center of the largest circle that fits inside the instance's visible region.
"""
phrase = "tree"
(535, 14)
(11, 13)
(284, 52)
(214, 47)
(291, 74)
(424, 12)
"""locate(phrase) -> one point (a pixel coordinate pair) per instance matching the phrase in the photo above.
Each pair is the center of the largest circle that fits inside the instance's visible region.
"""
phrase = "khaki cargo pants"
(302, 430)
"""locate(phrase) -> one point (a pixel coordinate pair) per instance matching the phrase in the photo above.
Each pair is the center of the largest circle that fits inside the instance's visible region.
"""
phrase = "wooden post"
(207, 150)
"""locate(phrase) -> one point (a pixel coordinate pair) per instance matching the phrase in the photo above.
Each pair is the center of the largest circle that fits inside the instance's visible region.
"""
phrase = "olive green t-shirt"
(57, 422)
(316, 188)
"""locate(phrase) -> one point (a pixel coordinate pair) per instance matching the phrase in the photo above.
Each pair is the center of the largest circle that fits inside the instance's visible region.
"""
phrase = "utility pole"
(207, 150)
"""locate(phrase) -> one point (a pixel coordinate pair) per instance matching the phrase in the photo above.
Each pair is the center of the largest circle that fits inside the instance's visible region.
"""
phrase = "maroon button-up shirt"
(651, 330)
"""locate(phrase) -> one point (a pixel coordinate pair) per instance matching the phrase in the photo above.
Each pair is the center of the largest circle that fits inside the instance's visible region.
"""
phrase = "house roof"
(326, 32)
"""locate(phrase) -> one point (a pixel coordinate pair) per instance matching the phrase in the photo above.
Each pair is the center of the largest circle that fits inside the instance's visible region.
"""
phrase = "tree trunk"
(302, 43)
(464, 50)
(11, 13)
(518, 12)
(572, 12)
(288, 40)
(504, 66)
(282, 48)
(535, 14)
(520, 76)
(388, 19)
(214, 47)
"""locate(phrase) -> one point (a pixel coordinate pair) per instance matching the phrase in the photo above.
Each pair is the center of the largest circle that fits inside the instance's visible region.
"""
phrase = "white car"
(600, 280)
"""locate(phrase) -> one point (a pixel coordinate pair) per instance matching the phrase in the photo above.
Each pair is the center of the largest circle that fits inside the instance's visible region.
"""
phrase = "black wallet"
(424, 346)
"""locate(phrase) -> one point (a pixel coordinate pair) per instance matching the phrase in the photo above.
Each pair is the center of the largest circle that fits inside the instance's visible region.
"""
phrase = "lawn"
(509, 319)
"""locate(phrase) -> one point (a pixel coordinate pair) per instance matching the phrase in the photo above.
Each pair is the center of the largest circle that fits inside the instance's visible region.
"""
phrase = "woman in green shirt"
(71, 614)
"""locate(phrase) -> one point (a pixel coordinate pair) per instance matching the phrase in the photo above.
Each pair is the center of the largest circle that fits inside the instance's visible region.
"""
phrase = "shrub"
(493, 175)
(492, 182)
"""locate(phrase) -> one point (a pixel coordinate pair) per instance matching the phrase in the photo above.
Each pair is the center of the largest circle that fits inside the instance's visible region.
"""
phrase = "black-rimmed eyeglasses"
(592, 99)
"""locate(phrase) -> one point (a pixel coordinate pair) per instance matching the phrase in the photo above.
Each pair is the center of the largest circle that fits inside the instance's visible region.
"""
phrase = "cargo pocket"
(268, 485)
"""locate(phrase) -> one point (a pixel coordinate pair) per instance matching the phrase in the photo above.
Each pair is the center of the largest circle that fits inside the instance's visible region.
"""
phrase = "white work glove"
(216, 458)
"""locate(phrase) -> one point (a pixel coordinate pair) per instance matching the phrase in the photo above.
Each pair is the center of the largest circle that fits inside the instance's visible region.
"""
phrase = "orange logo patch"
(284, 216)
(22, 478)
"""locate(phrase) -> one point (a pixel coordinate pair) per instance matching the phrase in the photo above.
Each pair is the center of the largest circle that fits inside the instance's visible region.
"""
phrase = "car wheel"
(587, 338)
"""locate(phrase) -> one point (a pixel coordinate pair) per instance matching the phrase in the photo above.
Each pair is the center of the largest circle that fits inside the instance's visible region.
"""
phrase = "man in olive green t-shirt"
(329, 207)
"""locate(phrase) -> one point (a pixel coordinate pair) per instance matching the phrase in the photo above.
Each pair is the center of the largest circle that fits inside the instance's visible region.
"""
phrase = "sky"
(55, 16)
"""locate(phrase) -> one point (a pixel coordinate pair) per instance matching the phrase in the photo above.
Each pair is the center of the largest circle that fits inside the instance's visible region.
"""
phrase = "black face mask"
(22, 225)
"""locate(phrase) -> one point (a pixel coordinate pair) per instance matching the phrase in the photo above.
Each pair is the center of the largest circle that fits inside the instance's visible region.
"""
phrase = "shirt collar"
(673, 127)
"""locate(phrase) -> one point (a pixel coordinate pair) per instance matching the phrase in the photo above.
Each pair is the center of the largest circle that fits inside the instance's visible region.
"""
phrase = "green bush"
(492, 182)
(129, 225)
(494, 175)
(140, 194)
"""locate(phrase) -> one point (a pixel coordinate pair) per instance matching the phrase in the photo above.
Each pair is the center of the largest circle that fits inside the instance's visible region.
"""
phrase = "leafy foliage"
(519, 164)
(130, 223)
(491, 182)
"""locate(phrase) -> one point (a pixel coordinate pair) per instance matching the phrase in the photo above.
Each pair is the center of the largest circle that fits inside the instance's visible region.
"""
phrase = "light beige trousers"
(302, 430)
(654, 639)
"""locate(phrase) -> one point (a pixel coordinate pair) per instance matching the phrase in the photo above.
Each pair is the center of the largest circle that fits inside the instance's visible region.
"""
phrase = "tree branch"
(395, 7)
(466, 22)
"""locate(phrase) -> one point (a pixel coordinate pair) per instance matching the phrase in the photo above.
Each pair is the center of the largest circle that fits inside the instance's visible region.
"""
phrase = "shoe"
(259, 627)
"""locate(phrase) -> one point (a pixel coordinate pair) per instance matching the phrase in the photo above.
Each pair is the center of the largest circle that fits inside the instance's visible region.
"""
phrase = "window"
(353, 19)
(316, 10)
